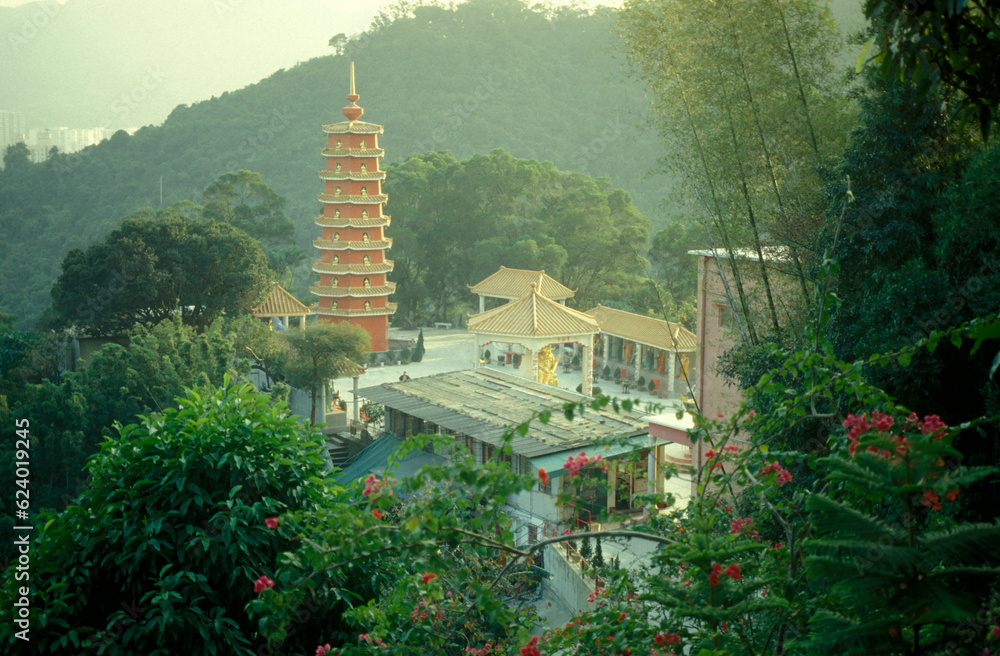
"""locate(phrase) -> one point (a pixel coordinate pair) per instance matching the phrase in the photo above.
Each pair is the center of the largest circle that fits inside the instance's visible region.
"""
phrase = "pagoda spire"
(352, 111)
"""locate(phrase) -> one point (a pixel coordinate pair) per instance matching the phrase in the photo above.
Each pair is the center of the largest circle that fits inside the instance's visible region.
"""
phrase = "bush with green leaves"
(161, 553)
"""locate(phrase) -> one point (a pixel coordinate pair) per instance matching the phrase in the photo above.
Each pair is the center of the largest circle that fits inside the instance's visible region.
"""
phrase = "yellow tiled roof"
(370, 245)
(280, 303)
(352, 175)
(515, 283)
(657, 333)
(533, 316)
(360, 292)
(344, 198)
(355, 222)
(353, 152)
(328, 267)
(356, 127)
(390, 308)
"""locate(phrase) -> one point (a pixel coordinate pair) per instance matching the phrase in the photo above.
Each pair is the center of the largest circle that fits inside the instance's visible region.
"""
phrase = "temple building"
(511, 284)
(352, 266)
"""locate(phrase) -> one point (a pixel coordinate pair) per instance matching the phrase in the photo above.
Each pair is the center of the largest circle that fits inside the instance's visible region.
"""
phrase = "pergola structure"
(279, 304)
(512, 284)
(643, 343)
(533, 322)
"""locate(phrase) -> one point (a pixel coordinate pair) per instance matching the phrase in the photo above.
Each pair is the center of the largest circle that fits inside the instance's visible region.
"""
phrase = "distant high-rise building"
(352, 267)
(12, 128)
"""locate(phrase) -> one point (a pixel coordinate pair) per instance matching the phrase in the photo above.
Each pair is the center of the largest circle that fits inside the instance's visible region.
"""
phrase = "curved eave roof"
(354, 292)
(515, 283)
(390, 308)
(533, 316)
(354, 222)
(280, 303)
(353, 152)
(371, 199)
(357, 176)
(650, 331)
(373, 245)
(342, 269)
(353, 127)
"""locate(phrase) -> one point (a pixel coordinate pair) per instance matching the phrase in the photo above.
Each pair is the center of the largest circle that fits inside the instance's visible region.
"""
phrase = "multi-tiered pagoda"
(352, 267)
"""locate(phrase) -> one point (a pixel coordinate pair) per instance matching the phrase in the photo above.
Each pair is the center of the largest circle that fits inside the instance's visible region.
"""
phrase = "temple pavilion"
(281, 305)
(511, 284)
(352, 266)
(531, 324)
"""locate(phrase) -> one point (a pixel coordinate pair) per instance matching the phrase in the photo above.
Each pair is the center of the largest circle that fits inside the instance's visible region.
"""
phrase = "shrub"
(406, 355)
(161, 554)
(487, 355)
(594, 390)
(517, 359)
(576, 360)
(652, 385)
(642, 381)
(606, 373)
(419, 350)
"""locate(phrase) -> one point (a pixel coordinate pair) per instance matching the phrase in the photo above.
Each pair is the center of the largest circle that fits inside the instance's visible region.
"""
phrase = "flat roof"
(484, 403)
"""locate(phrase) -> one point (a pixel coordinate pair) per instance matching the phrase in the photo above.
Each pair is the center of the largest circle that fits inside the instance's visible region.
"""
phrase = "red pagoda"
(352, 266)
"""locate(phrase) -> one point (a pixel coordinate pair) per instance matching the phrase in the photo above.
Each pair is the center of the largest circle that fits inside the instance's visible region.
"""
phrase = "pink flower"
(734, 572)
(428, 577)
(271, 522)
(783, 475)
(323, 649)
(263, 583)
(531, 649)
(713, 578)
(931, 500)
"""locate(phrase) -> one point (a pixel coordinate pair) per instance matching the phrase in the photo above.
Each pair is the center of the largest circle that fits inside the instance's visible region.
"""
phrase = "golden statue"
(547, 364)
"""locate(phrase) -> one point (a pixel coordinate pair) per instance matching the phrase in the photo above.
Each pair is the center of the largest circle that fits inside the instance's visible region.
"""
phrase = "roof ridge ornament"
(352, 111)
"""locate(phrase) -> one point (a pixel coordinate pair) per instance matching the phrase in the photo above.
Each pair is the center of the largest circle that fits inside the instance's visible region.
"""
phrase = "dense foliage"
(576, 110)
(155, 266)
(457, 222)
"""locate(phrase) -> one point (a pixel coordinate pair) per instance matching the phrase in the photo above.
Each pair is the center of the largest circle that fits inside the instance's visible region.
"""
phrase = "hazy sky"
(128, 63)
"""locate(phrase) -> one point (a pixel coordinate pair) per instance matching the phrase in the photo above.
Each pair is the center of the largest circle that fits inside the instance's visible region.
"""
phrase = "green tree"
(745, 96)
(161, 553)
(419, 350)
(156, 265)
(324, 352)
(941, 46)
(244, 201)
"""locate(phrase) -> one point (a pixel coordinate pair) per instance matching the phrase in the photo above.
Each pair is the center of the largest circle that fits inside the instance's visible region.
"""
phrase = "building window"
(333, 304)
(336, 259)
(367, 283)
(336, 191)
(336, 214)
(366, 260)
(364, 214)
(335, 282)
(338, 144)
(362, 144)
(368, 305)
(364, 191)
(336, 169)
(364, 168)
(336, 236)
(365, 237)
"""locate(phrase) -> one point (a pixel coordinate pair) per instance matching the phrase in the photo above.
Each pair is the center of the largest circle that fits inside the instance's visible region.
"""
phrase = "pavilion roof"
(279, 303)
(515, 283)
(650, 331)
(533, 315)
(483, 403)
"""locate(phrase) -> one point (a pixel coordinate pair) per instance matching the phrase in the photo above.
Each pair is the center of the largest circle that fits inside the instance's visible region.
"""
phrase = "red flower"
(621, 617)
(734, 572)
(323, 649)
(952, 494)
(428, 577)
(272, 522)
(931, 500)
(531, 649)
(667, 639)
(262, 584)
(543, 476)
(376, 513)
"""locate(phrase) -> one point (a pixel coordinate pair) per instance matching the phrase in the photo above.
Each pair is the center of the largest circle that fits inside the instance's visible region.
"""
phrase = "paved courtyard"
(454, 350)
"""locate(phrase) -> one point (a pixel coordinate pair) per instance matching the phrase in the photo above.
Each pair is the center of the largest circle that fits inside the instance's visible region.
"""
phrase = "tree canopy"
(157, 264)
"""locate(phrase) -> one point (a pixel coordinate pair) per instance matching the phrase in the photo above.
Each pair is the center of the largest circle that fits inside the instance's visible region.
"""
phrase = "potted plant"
(406, 355)
(642, 382)
(576, 361)
(606, 373)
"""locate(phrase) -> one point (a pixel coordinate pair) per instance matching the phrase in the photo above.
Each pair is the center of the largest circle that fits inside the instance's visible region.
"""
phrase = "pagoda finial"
(352, 111)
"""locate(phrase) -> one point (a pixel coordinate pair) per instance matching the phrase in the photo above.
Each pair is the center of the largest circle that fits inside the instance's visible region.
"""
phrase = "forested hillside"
(487, 74)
